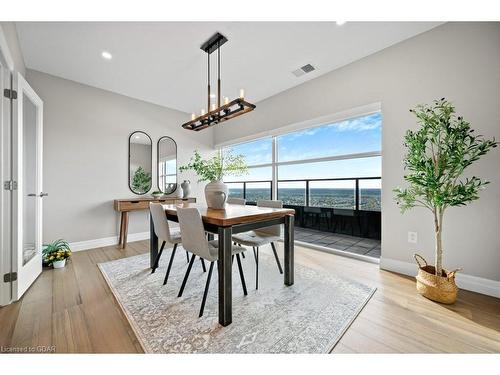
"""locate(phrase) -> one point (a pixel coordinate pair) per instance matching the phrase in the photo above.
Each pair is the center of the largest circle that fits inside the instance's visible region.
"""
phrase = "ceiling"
(161, 62)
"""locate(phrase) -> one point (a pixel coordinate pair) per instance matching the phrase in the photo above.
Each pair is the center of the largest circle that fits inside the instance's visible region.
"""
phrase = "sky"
(361, 134)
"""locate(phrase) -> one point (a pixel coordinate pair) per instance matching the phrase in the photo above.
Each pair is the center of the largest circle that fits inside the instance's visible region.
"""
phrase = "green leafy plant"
(215, 168)
(141, 181)
(57, 250)
(438, 153)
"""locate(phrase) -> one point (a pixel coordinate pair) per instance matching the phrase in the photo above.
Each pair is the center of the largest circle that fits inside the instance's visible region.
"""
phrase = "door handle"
(43, 195)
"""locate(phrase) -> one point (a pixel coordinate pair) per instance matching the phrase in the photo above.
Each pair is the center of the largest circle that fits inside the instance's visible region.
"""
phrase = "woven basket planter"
(436, 288)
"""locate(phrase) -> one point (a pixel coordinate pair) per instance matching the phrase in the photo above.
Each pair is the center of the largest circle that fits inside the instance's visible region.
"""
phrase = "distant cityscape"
(319, 197)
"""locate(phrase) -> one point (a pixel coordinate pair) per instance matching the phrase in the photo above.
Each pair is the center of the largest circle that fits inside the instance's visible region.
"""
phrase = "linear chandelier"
(217, 113)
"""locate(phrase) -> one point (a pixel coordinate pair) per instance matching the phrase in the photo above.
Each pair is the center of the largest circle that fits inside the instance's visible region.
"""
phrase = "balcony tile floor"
(351, 244)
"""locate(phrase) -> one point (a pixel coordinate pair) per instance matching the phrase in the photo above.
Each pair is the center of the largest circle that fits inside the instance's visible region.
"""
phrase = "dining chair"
(260, 237)
(240, 201)
(165, 234)
(195, 241)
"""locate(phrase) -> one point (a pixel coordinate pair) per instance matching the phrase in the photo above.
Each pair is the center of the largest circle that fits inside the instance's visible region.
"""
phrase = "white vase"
(186, 188)
(59, 263)
(216, 193)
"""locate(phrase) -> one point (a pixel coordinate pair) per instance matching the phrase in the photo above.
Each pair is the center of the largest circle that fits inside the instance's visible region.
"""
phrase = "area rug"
(308, 317)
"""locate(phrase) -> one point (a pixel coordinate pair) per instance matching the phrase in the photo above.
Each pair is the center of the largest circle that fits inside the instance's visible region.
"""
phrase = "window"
(256, 152)
(337, 165)
(167, 173)
(357, 135)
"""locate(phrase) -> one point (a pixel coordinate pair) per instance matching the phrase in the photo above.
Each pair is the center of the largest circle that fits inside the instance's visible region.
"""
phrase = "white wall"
(85, 162)
(459, 61)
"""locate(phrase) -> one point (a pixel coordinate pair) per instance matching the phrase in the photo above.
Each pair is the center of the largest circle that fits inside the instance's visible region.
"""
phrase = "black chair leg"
(170, 264)
(243, 255)
(276, 257)
(205, 293)
(256, 255)
(186, 275)
(157, 260)
(242, 277)
(203, 265)
(187, 257)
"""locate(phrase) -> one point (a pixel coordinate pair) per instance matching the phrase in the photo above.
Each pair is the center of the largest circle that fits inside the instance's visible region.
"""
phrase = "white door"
(27, 198)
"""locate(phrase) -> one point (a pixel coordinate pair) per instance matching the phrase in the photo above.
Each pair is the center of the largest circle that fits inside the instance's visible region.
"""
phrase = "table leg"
(153, 242)
(125, 229)
(120, 239)
(289, 244)
(225, 273)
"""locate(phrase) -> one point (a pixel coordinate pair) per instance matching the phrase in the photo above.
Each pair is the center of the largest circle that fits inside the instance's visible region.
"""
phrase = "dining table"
(226, 222)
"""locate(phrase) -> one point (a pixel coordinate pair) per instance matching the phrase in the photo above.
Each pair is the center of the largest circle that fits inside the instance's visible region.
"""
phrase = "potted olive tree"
(213, 170)
(438, 154)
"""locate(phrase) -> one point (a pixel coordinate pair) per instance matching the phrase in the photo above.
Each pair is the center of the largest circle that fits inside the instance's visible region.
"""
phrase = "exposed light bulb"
(242, 93)
(203, 111)
(226, 100)
(212, 108)
(193, 116)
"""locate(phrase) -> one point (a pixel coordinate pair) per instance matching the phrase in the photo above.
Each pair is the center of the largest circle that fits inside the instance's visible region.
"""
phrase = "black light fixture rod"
(218, 75)
(208, 91)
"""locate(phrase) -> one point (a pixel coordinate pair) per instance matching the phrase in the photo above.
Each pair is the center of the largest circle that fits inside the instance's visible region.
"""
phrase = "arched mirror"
(167, 165)
(140, 168)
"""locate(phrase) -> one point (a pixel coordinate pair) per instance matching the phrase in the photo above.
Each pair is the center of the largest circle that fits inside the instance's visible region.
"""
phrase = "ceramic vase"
(216, 193)
(186, 188)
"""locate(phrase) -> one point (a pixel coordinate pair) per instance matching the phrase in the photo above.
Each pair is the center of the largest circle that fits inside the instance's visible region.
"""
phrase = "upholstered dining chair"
(262, 236)
(165, 234)
(195, 241)
(240, 201)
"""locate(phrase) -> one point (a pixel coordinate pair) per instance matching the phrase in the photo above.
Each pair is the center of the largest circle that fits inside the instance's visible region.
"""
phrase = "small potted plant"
(56, 253)
(213, 170)
(438, 154)
(157, 194)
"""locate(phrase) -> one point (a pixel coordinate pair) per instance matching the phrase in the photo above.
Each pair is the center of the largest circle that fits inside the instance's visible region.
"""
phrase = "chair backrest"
(193, 233)
(240, 201)
(273, 230)
(160, 221)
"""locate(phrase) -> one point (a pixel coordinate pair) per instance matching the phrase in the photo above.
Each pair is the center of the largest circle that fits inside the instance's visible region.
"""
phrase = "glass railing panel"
(235, 189)
(258, 190)
(335, 194)
(370, 194)
(292, 193)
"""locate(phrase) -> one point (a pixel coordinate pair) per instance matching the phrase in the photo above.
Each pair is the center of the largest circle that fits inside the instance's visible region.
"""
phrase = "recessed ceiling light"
(340, 23)
(106, 55)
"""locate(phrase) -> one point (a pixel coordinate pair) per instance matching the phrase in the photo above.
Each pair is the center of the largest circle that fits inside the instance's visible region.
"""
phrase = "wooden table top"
(233, 214)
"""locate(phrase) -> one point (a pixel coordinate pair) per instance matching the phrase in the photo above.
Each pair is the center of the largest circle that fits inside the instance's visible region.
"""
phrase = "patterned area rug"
(308, 317)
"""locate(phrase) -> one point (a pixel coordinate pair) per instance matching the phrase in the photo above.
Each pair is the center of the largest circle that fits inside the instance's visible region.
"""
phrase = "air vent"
(303, 70)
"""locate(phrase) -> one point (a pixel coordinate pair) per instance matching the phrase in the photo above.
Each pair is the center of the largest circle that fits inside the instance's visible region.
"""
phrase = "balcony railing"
(311, 196)
(343, 205)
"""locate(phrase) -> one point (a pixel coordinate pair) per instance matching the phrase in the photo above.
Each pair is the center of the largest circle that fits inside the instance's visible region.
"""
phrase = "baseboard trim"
(464, 281)
(106, 241)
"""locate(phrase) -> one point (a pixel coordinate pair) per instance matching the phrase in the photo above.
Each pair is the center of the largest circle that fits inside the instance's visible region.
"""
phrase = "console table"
(124, 206)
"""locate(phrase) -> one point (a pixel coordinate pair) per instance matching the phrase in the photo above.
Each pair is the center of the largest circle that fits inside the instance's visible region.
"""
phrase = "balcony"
(338, 213)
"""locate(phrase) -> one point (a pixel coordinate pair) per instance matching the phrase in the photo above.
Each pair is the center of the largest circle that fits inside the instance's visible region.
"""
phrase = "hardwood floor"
(74, 310)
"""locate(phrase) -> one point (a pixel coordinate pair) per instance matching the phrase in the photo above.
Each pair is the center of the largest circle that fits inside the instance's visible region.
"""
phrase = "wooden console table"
(124, 206)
